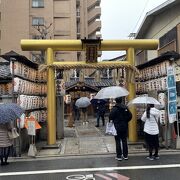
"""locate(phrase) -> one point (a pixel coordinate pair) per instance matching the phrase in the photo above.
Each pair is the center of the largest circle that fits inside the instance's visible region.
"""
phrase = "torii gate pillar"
(131, 87)
(51, 105)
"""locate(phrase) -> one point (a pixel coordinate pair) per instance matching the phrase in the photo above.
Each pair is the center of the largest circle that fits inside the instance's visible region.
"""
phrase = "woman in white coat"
(150, 118)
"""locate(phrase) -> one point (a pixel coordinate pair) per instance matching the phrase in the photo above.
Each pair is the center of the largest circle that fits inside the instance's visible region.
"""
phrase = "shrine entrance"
(86, 45)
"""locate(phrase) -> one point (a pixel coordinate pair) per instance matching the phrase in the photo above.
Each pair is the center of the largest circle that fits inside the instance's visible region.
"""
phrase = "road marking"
(103, 176)
(76, 177)
(114, 175)
(90, 169)
(118, 176)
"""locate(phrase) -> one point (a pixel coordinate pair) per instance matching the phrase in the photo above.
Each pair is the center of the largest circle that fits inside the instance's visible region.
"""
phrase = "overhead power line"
(142, 14)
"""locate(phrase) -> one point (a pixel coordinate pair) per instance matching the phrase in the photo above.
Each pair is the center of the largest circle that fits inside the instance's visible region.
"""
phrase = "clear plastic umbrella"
(10, 112)
(111, 92)
(82, 102)
(144, 100)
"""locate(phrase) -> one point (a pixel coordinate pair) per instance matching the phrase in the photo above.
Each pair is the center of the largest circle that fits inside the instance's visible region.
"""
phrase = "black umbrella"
(96, 102)
(10, 112)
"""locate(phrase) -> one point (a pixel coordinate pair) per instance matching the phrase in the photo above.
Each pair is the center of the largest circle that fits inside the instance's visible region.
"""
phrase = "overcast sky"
(121, 17)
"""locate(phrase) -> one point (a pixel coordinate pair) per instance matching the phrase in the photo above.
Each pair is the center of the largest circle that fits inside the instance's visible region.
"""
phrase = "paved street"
(99, 166)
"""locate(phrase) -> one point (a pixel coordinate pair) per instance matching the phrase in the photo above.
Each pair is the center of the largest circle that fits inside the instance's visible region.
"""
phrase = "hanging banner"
(172, 97)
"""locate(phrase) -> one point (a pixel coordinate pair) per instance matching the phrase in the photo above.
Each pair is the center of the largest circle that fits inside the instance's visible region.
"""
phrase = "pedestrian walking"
(5, 143)
(100, 111)
(84, 115)
(76, 111)
(120, 115)
(151, 130)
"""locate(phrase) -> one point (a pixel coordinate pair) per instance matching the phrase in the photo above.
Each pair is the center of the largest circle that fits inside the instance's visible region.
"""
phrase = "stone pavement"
(85, 140)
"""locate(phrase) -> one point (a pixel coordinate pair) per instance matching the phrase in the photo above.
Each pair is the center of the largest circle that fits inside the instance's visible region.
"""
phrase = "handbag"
(13, 134)
(32, 150)
(110, 129)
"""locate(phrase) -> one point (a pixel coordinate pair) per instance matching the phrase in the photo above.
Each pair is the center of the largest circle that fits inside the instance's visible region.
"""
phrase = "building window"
(37, 3)
(38, 21)
(78, 12)
(168, 37)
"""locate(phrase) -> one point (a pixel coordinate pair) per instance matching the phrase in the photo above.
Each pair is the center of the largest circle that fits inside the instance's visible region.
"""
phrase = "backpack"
(127, 114)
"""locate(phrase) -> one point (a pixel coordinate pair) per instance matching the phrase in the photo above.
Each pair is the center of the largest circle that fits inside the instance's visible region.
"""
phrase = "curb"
(131, 153)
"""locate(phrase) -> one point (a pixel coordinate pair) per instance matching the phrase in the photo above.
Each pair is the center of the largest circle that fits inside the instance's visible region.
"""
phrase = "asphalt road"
(98, 166)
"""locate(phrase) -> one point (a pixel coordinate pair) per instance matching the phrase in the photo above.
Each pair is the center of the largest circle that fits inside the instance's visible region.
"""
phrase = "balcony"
(78, 15)
(98, 35)
(95, 35)
(99, 53)
(94, 13)
(94, 26)
(92, 3)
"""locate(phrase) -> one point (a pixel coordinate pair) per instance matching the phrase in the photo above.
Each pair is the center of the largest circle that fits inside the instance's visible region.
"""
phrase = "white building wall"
(162, 23)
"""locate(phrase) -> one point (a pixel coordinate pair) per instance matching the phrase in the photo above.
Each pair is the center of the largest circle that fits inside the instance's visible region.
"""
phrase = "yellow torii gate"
(76, 45)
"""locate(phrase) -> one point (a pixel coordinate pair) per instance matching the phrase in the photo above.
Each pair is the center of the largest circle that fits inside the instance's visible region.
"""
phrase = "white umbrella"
(111, 92)
(83, 102)
(144, 100)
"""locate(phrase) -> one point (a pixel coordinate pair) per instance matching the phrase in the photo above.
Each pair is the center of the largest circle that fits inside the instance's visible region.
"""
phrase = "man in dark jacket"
(100, 110)
(120, 115)
(76, 111)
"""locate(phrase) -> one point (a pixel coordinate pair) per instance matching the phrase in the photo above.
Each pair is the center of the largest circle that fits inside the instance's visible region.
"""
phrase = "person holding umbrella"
(76, 111)
(9, 112)
(100, 110)
(120, 115)
(84, 115)
(5, 142)
(151, 129)
(83, 103)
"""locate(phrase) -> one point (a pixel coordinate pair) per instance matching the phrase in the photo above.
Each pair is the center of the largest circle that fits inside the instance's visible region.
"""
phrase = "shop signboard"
(31, 125)
(172, 97)
(31, 128)
(172, 94)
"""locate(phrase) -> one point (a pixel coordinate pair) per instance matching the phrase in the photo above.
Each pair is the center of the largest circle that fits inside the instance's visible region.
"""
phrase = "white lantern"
(162, 117)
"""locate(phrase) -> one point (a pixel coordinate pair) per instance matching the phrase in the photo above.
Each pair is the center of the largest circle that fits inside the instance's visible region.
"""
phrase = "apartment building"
(48, 19)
